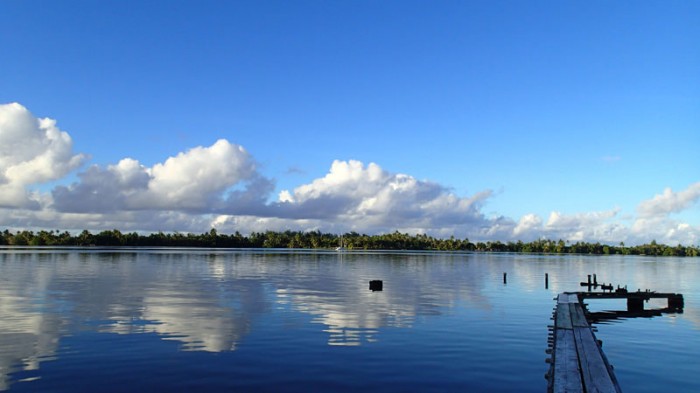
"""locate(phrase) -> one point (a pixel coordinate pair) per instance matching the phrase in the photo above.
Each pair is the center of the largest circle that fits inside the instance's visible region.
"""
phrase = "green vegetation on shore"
(318, 240)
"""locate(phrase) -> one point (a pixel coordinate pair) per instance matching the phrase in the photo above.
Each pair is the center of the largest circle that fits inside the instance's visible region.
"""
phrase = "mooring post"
(589, 280)
(505, 280)
(595, 280)
(676, 302)
(546, 281)
(635, 303)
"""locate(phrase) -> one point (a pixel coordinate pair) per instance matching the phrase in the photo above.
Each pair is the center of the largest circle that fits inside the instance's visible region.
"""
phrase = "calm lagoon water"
(129, 320)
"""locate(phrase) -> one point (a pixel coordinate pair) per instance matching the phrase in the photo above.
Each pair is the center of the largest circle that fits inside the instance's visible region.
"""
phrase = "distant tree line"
(318, 240)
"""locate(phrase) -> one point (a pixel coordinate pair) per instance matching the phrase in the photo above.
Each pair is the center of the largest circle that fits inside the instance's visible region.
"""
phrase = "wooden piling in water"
(635, 304)
(676, 302)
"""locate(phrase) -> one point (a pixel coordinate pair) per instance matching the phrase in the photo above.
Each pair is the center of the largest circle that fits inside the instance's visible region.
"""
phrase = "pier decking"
(578, 363)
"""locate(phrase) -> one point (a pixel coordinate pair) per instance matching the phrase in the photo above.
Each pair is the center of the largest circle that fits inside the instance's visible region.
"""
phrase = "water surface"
(125, 320)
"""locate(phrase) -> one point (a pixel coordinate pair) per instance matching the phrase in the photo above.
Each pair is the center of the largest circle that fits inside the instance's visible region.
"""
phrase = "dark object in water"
(376, 285)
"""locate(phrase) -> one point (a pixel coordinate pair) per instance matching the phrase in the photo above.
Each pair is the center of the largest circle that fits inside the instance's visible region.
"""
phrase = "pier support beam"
(635, 304)
(676, 302)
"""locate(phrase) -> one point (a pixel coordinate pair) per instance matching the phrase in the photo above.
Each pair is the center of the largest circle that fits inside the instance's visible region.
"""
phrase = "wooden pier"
(635, 300)
(578, 363)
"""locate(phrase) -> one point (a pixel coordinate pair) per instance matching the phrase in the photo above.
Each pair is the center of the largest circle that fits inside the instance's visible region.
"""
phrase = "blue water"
(127, 320)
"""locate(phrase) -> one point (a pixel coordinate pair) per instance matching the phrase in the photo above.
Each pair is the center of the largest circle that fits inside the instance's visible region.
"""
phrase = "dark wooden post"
(505, 280)
(376, 285)
(676, 302)
(546, 281)
(635, 303)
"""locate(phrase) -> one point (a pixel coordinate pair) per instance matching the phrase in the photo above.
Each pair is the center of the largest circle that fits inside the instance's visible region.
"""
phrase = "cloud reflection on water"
(210, 301)
(353, 314)
(28, 334)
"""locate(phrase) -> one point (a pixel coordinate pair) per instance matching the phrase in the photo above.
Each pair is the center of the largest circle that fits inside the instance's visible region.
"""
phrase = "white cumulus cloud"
(664, 230)
(669, 202)
(366, 197)
(654, 220)
(530, 226)
(589, 226)
(221, 186)
(202, 180)
(32, 151)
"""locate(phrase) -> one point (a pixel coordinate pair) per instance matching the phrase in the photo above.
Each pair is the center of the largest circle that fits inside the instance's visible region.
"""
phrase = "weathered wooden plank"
(595, 375)
(564, 316)
(567, 377)
(578, 318)
(567, 298)
(579, 364)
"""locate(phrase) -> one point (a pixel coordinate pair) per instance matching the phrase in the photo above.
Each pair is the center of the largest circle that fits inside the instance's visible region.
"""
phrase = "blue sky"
(500, 119)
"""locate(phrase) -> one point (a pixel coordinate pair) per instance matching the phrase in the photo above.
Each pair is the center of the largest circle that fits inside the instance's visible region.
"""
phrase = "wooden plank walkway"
(578, 363)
